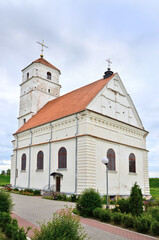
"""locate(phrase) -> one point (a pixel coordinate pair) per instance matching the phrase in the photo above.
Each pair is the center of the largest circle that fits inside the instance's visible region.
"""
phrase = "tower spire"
(42, 44)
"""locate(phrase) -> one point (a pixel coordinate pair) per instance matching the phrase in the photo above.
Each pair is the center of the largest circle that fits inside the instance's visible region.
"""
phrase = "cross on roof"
(109, 62)
(42, 44)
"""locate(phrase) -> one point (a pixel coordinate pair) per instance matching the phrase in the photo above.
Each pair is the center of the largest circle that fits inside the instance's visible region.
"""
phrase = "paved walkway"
(31, 210)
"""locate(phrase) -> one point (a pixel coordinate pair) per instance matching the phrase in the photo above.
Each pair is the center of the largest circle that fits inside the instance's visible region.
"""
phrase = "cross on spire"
(109, 62)
(42, 44)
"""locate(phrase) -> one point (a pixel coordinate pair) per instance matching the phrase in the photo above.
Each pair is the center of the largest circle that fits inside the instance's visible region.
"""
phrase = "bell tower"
(40, 84)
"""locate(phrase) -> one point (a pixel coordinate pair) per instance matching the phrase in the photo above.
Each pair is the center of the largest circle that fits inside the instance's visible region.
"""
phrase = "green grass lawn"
(154, 193)
(4, 180)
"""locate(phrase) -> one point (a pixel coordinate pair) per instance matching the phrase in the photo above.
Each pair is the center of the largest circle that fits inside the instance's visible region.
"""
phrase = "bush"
(154, 213)
(105, 215)
(5, 201)
(96, 212)
(37, 192)
(128, 220)
(117, 217)
(135, 202)
(5, 219)
(142, 224)
(155, 227)
(27, 190)
(73, 198)
(88, 201)
(122, 206)
(63, 226)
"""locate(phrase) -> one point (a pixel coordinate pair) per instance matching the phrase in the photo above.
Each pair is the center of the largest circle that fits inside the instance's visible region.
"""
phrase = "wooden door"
(57, 184)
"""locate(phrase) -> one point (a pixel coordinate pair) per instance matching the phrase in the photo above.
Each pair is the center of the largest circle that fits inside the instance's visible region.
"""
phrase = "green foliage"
(88, 201)
(117, 217)
(3, 172)
(122, 206)
(37, 193)
(8, 172)
(154, 182)
(96, 212)
(135, 202)
(154, 193)
(28, 190)
(154, 213)
(142, 224)
(5, 219)
(5, 201)
(10, 227)
(73, 198)
(63, 226)
(155, 227)
(128, 220)
(4, 180)
(105, 215)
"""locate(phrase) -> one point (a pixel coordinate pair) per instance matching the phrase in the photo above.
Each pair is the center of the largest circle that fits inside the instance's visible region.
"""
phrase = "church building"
(61, 140)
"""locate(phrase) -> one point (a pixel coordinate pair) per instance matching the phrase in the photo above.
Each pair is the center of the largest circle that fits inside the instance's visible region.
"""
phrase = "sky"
(81, 35)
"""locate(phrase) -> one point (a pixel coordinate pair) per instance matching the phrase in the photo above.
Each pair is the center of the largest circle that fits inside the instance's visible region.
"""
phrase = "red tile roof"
(43, 61)
(65, 105)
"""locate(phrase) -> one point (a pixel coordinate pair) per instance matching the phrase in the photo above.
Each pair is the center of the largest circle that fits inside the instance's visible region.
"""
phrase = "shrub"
(28, 190)
(96, 212)
(117, 217)
(155, 227)
(105, 215)
(16, 189)
(135, 202)
(73, 198)
(5, 219)
(88, 201)
(5, 201)
(142, 224)
(122, 206)
(62, 226)
(37, 192)
(154, 213)
(128, 220)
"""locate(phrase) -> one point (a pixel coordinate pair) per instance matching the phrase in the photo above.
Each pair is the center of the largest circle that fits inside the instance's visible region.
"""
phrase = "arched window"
(111, 157)
(49, 75)
(24, 120)
(23, 162)
(40, 159)
(27, 75)
(62, 158)
(132, 164)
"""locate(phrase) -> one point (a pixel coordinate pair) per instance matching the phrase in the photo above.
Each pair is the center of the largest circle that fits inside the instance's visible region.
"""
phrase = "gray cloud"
(80, 36)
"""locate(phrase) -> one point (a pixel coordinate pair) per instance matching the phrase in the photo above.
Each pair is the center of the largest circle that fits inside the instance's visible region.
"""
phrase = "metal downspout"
(76, 153)
(29, 159)
(50, 155)
(16, 162)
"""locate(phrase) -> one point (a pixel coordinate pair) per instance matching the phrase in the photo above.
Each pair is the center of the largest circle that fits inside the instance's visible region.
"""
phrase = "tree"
(8, 172)
(136, 204)
(3, 172)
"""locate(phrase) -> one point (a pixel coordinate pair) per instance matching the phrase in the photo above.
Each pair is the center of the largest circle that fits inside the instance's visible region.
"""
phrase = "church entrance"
(58, 181)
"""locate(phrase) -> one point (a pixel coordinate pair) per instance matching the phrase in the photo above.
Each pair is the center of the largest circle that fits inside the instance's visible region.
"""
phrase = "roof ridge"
(65, 105)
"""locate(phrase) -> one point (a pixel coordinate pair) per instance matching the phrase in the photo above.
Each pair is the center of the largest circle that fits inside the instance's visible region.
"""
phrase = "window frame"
(49, 75)
(40, 160)
(111, 157)
(23, 162)
(132, 163)
(62, 158)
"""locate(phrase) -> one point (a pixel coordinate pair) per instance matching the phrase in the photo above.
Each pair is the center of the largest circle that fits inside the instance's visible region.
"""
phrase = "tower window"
(48, 90)
(49, 75)
(24, 120)
(27, 75)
